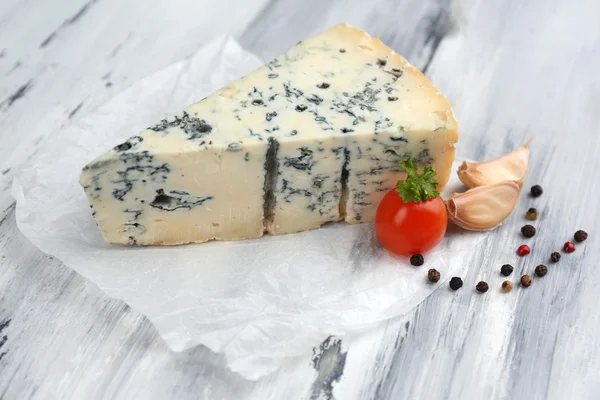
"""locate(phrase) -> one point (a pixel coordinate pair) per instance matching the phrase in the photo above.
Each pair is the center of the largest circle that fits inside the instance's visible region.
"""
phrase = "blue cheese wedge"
(314, 136)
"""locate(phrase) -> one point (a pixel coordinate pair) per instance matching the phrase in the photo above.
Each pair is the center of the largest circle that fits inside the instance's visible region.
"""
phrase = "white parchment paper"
(257, 301)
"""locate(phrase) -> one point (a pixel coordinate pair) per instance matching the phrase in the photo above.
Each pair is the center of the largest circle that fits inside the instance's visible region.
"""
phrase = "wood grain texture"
(511, 69)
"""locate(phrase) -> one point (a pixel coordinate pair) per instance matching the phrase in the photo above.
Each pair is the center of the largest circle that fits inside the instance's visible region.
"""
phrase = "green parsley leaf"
(417, 187)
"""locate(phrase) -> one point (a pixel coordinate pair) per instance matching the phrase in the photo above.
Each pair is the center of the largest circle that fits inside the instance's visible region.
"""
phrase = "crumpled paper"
(257, 301)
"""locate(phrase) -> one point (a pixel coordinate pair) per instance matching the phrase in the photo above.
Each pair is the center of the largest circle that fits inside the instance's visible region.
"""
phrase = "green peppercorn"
(536, 190)
(507, 286)
(528, 231)
(433, 275)
(555, 256)
(506, 269)
(482, 287)
(532, 214)
(526, 281)
(580, 236)
(456, 283)
(541, 270)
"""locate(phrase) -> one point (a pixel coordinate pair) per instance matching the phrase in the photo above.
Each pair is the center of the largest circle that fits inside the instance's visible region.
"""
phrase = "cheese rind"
(311, 137)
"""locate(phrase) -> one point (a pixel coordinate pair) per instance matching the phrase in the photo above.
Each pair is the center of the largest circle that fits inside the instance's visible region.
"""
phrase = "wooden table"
(511, 69)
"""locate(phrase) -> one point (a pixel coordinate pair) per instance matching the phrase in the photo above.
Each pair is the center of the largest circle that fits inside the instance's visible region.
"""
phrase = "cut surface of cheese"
(313, 136)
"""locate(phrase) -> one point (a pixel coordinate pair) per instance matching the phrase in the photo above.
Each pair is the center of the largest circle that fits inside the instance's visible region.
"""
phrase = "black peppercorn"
(532, 214)
(536, 190)
(456, 283)
(507, 286)
(526, 280)
(580, 236)
(528, 231)
(433, 275)
(482, 287)
(506, 269)
(555, 257)
(541, 270)
(417, 260)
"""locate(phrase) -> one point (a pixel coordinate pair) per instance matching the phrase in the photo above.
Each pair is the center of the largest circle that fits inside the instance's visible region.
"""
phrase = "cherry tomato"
(410, 228)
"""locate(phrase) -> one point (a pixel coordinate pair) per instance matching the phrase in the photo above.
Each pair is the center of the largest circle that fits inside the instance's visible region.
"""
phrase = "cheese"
(314, 136)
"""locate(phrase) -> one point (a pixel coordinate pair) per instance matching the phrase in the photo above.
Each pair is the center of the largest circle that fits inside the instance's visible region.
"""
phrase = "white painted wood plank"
(529, 72)
(38, 294)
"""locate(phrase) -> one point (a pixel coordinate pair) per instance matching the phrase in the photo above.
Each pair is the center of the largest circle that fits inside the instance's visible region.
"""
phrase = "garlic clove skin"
(510, 167)
(485, 207)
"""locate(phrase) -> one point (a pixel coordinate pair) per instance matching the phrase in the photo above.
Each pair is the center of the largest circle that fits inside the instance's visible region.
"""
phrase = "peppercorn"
(482, 287)
(555, 257)
(528, 231)
(580, 236)
(532, 214)
(506, 269)
(456, 283)
(569, 247)
(433, 275)
(526, 280)
(541, 270)
(523, 250)
(417, 260)
(507, 286)
(536, 190)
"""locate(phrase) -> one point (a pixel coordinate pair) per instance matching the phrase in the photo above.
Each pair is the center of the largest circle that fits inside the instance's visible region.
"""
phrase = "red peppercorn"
(523, 250)
(569, 247)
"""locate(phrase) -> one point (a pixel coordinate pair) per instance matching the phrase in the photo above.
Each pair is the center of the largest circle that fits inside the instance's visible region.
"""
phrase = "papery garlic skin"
(485, 207)
(510, 167)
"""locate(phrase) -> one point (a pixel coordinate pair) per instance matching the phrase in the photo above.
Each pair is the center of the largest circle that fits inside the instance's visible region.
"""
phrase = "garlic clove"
(485, 207)
(510, 167)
